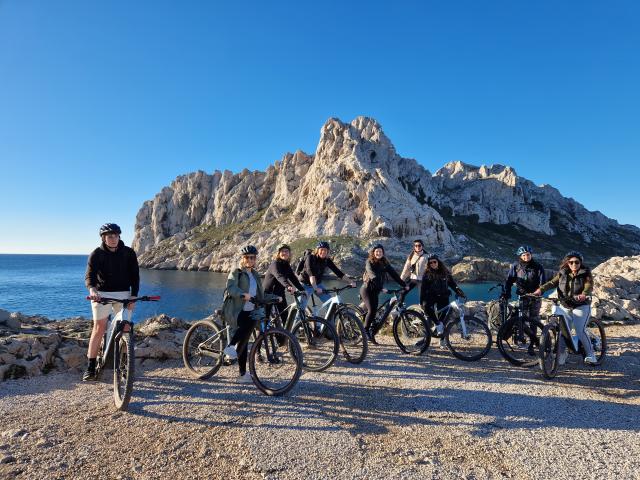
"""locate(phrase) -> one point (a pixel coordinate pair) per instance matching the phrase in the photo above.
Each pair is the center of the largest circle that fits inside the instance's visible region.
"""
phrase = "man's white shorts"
(101, 311)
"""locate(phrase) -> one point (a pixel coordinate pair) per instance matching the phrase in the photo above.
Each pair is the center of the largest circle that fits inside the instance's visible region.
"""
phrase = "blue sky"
(104, 103)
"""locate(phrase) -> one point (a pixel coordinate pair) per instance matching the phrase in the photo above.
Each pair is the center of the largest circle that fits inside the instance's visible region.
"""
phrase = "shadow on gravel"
(374, 397)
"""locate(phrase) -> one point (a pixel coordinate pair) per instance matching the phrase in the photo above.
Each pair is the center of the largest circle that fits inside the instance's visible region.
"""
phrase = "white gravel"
(394, 416)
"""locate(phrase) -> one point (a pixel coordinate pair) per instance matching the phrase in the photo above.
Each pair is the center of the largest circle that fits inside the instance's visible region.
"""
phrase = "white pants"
(579, 316)
(101, 311)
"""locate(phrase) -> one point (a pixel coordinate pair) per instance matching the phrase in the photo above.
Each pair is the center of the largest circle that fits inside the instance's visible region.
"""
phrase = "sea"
(53, 286)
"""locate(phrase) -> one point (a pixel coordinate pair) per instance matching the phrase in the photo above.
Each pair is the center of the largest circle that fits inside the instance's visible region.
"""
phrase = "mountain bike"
(275, 358)
(467, 337)
(118, 345)
(519, 335)
(350, 330)
(317, 336)
(410, 329)
(559, 330)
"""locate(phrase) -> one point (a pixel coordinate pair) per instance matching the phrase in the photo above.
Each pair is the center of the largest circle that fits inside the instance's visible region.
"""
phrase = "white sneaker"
(440, 328)
(590, 359)
(230, 352)
(562, 357)
(246, 378)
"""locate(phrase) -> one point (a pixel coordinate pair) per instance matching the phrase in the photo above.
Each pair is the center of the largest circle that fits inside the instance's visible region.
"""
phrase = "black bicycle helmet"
(249, 250)
(323, 245)
(575, 254)
(524, 249)
(110, 228)
(433, 256)
(376, 246)
(283, 246)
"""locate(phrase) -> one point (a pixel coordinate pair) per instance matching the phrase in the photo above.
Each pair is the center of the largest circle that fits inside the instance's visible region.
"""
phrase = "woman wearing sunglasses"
(574, 283)
(415, 265)
(434, 290)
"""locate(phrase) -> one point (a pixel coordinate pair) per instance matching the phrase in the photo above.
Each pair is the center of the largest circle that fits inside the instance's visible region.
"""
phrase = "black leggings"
(370, 299)
(241, 338)
(428, 304)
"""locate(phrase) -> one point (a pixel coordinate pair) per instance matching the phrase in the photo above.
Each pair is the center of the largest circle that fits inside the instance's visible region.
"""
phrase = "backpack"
(302, 260)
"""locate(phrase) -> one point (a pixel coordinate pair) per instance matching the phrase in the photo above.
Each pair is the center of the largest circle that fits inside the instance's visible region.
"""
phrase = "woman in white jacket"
(415, 265)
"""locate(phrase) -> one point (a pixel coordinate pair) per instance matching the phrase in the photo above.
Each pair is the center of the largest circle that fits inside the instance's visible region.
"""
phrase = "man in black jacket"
(113, 272)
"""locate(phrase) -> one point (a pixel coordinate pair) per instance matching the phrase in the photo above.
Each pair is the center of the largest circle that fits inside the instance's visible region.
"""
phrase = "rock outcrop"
(617, 289)
(474, 269)
(41, 345)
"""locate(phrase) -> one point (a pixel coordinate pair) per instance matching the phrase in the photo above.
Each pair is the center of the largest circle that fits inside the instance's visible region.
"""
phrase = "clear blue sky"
(102, 103)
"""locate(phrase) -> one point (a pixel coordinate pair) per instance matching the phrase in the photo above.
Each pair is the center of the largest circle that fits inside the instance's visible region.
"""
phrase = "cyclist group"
(113, 270)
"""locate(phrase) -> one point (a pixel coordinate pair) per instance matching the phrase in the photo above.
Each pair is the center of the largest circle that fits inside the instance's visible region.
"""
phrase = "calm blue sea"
(53, 286)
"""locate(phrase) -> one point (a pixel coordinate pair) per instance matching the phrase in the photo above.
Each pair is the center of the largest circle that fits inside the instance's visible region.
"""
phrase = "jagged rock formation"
(617, 289)
(474, 269)
(356, 190)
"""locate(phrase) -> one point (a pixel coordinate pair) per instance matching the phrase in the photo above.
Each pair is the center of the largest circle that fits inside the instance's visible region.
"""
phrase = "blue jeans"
(310, 291)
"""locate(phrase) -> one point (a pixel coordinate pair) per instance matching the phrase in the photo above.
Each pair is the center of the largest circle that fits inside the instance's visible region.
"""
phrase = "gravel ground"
(393, 416)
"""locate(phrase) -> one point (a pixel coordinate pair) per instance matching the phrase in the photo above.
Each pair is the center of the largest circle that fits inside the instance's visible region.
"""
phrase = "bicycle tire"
(549, 350)
(411, 333)
(202, 360)
(432, 326)
(599, 347)
(508, 343)
(319, 342)
(284, 362)
(478, 337)
(123, 371)
(352, 335)
(360, 313)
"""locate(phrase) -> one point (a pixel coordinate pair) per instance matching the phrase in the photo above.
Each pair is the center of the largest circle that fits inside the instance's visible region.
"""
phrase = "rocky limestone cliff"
(356, 190)
(348, 192)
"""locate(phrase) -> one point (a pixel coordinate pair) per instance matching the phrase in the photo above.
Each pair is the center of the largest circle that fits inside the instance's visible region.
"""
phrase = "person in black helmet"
(314, 266)
(528, 275)
(113, 272)
(434, 291)
(243, 284)
(376, 269)
(280, 278)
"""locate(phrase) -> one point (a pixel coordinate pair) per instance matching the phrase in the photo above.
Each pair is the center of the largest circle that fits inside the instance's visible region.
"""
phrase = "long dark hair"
(440, 272)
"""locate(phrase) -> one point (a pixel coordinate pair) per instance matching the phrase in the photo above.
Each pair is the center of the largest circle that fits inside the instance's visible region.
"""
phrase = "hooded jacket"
(117, 271)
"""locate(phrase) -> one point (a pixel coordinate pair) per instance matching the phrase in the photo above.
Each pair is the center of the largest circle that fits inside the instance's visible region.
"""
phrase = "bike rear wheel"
(202, 349)
(595, 332)
(352, 335)
(468, 344)
(515, 344)
(275, 361)
(319, 342)
(123, 371)
(411, 332)
(549, 350)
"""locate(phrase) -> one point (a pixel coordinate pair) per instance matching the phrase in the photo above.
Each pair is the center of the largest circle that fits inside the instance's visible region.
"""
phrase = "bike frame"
(458, 305)
(572, 341)
(114, 331)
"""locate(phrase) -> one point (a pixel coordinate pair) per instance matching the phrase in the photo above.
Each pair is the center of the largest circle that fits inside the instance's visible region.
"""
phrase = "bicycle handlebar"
(336, 290)
(255, 301)
(106, 300)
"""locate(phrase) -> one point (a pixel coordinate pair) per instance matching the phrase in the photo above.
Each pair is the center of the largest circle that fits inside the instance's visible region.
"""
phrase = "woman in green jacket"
(243, 284)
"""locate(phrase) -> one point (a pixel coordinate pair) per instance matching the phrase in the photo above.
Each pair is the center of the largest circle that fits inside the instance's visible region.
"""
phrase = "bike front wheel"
(517, 342)
(549, 350)
(202, 349)
(468, 341)
(319, 342)
(352, 335)
(275, 361)
(123, 371)
(411, 332)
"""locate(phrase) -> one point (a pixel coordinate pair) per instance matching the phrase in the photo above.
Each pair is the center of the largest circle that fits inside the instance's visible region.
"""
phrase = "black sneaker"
(372, 337)
(89, 375)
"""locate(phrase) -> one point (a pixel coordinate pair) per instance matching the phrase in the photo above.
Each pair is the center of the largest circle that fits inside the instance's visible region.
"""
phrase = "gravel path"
(394, 416)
